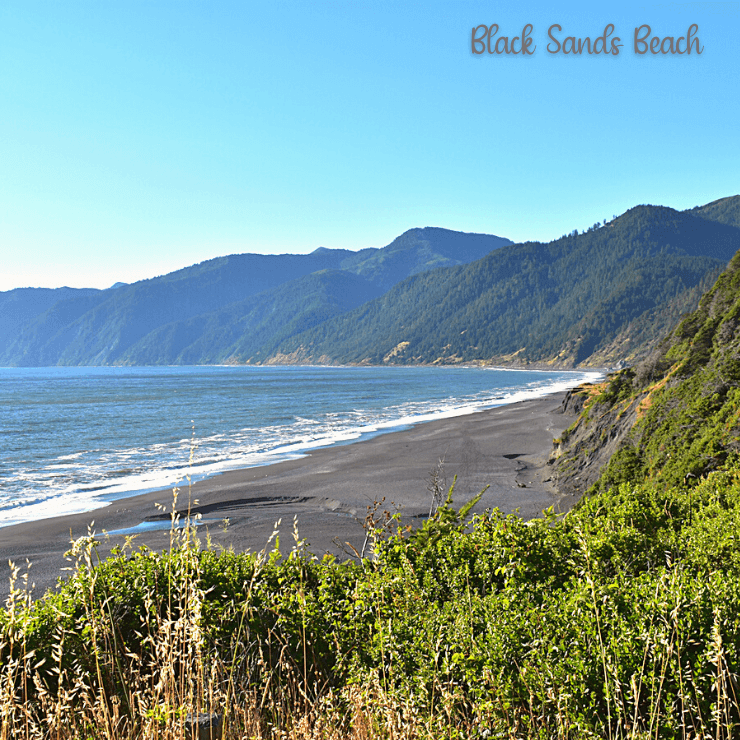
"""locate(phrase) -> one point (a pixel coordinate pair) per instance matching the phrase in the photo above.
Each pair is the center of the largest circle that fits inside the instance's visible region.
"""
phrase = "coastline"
(329, 490)
(84, 453)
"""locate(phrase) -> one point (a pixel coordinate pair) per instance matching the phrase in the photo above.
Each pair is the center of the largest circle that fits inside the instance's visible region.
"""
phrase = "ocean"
(73, 439)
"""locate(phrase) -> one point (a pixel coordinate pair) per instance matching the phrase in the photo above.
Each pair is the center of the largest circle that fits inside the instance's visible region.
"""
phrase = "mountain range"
(216, 310)
(431, 296)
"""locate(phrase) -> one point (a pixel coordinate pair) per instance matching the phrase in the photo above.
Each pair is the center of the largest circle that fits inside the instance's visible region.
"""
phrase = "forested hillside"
(245, 327)
(724, 211)
(212, 311)
(20, 306)
(567, 301)
(431, 296)
(672, 418)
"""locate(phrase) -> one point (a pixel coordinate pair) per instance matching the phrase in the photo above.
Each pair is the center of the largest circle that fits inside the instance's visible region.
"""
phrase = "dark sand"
(329, 490)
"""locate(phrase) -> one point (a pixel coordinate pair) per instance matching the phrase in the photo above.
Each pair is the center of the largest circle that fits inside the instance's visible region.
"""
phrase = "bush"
(618, 620)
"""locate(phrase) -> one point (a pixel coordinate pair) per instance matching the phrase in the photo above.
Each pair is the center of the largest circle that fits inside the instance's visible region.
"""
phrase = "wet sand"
(329, 491)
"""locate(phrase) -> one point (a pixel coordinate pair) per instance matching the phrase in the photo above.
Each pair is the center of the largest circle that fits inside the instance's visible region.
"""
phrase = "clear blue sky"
(140, 137)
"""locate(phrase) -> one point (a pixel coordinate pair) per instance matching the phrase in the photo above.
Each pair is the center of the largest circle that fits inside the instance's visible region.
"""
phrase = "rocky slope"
(673, 417)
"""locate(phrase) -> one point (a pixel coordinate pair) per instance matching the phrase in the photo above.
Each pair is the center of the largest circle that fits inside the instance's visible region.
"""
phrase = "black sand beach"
(328, 491)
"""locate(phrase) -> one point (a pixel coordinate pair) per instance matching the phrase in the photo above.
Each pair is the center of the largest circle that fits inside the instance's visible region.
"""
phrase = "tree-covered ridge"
(564, 301)
(724, 211)
(633, 340)
(244, 328)
(20, 306)
(592, 298)
(420, 250)
(188, 308)
(675, 416)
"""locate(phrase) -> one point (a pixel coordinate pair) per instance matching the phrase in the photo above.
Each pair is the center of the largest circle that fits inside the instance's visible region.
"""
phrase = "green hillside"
(672, 418)
(75, 333)
(431, 296)
(20, 306)
(724, 211)
(420, 250)
(563, 302)
(241, 329)
(125, 324)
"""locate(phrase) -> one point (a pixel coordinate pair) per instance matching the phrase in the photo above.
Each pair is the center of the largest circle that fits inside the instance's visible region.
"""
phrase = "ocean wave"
(84, 480)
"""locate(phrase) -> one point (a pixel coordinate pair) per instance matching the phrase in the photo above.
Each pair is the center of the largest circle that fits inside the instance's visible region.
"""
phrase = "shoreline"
(59, 485)
(328, 490)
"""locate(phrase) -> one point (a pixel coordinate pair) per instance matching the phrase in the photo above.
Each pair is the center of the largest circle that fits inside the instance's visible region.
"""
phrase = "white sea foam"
(88, 480)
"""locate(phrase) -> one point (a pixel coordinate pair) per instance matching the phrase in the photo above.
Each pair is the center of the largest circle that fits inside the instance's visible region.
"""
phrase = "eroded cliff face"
(673, 418)
(582, 451)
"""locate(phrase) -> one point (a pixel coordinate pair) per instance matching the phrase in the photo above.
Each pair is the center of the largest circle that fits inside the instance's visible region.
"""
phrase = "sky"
(140, 137)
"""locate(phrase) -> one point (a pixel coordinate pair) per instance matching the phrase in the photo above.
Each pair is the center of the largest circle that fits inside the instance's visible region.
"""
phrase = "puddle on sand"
(163, 524)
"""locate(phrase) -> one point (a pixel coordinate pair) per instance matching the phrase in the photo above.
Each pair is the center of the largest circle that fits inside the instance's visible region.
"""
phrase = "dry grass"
(160, 688)
(647, 402)
(256, 689)
(158, 692)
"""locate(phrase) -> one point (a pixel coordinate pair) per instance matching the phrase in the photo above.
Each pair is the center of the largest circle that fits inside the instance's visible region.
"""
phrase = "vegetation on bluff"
(674, 417)
(621, 620)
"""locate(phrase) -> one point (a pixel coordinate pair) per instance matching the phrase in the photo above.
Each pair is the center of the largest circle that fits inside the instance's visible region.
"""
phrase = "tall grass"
(93, 677)
(621, 620)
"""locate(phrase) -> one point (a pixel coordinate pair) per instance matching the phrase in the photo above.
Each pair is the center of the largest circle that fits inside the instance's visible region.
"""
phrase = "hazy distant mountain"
(241, 329)
(564, 302)
(20, 306)
(114, 326)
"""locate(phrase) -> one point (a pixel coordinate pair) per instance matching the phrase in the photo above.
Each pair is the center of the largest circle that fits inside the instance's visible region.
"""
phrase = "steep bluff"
(673, 417)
